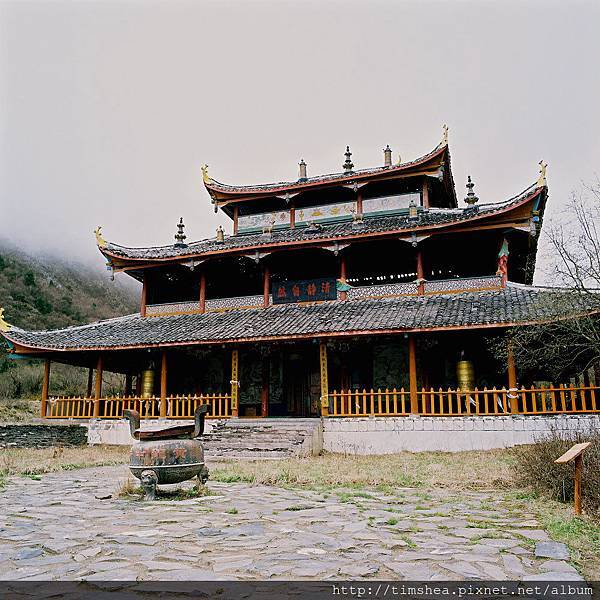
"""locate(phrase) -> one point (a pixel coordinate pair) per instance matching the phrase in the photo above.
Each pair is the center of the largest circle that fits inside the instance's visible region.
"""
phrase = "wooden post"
(412, 374)
(575, 452)
(264, 395)
(425, 192)
(359, 202)
(266, 287)
(98, 389)
(420, 273)
(163, 385)
(202, 303)
(292, 218)
(144, 295)
(324, 381)
(45, 387)
(235, 384)
(343, 295)
(577, 483)
(511, 368)
(235, 219)
(90, 382)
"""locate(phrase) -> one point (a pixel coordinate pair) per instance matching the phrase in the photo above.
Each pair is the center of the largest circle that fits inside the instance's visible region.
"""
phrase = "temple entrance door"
(301, 385)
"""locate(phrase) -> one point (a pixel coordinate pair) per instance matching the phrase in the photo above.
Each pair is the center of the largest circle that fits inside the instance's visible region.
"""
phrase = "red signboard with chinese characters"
(310, 290)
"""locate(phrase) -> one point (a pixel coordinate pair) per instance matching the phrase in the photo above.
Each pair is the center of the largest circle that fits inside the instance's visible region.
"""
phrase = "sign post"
(575, 452)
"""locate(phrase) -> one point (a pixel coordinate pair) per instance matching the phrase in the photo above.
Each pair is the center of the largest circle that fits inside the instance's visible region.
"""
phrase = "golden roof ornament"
(4, 326)
(205, 175)
(444, 141)
(541, 182)
(471, 198)
(99, 239)
(220, 235)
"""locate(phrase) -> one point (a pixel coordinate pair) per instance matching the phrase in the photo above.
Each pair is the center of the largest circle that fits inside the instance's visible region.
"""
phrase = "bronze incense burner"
(167, 455)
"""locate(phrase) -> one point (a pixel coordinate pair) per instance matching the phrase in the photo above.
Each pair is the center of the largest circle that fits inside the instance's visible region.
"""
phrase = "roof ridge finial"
(205, 175)
(180, 235)
(470, 198)
(220, 235)
(387, 156)
(100, 241)
(444, 141)
(348, 164)
(302, 170)
(4, 326)
(541, 182)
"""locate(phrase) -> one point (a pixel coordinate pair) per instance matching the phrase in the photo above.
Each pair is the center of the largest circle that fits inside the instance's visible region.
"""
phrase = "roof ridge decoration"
(4, 326)
(541, 182)
(205, 176)
(100, 241)
(444, 141)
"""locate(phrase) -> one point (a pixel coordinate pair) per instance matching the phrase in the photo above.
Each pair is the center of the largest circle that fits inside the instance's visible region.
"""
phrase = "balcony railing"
(550, 400)
(560, 399)
(178, 407)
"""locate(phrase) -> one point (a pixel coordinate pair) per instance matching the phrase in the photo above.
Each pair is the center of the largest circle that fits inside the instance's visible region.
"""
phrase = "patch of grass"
(392, 521)
(232, 511)
(581, 534)
(130, 489)
(345, 496)
(298, 507)
(490, 535)
(456, 471)
(32, 462)
(421, 507)
(407, 539)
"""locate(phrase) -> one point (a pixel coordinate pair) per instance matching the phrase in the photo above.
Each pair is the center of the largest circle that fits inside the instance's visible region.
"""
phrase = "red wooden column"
(511, 367)
(202, 301)
(266, 286)
(359, 202)
(144, 295)
(292, 218)
(425, 193)
(264, 395)
(343, 295)
(45, 387)
(163, 385)
(420, 273)
(412, 374)
(235, 220)
(98, 389)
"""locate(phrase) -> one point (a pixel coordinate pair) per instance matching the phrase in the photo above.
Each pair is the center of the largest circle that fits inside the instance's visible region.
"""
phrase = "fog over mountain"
(108, 109)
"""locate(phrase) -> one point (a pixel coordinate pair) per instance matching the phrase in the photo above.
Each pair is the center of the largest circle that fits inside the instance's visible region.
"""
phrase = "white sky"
(108, 109)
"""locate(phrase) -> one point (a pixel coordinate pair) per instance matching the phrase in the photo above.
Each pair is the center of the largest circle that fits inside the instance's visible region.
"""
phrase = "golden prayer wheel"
(465, 375)
(147, 383)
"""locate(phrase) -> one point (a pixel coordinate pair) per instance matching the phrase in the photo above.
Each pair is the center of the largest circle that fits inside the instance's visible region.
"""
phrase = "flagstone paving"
(59, 528)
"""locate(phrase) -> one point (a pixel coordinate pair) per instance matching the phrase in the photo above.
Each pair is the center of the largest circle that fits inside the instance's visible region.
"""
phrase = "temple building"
(364, 292)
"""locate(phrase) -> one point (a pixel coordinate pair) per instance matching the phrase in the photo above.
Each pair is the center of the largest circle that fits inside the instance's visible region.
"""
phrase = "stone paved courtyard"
(60, 528)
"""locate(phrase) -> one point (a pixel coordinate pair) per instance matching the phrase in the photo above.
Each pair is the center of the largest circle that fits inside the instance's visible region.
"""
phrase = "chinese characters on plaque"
(311, 290)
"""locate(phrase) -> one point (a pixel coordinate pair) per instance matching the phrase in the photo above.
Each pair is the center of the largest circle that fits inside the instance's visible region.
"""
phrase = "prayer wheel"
(465, 374)
(147, 383)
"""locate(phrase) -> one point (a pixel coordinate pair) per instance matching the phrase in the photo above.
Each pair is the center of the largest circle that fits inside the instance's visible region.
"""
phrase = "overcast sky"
(108, 109)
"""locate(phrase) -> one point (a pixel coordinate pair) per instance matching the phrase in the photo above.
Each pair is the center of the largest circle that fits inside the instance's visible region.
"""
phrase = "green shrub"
(535, 467)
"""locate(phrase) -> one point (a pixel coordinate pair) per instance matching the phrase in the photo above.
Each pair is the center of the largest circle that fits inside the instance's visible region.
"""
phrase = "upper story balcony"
(344, 292)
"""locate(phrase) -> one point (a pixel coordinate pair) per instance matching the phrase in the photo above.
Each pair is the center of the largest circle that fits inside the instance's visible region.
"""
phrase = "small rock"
(105, 497)
(309, 551)
(28, 553)
(554, 550)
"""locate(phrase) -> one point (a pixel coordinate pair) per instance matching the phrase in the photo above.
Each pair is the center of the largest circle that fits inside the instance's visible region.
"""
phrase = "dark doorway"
(301, 384)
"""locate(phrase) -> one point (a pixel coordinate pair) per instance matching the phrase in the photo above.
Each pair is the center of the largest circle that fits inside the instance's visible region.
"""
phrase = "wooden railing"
(178, 407)
(455, 403)
(362, 403)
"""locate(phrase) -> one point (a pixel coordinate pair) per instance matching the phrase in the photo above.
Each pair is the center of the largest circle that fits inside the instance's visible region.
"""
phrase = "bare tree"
(566, 342)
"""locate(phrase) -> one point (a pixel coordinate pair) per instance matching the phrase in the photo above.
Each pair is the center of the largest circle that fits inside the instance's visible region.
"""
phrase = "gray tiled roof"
(342, 229)
(513, 304)
(331, 177)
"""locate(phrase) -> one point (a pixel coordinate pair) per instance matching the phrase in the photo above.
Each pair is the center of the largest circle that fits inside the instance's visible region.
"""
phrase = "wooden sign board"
(572, 453)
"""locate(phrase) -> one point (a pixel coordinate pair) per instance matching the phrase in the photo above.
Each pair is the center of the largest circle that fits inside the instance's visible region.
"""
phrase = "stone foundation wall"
(116, 431)
(40, 436)
(387, 435)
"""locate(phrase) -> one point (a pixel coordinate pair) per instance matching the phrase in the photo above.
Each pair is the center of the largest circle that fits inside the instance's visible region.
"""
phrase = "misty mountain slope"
(39, 292)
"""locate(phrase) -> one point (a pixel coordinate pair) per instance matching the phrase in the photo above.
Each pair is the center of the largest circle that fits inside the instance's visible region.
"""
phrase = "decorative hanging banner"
(310, 290)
